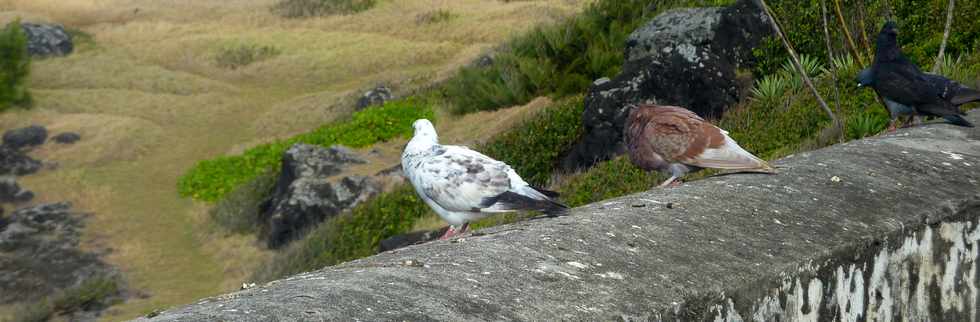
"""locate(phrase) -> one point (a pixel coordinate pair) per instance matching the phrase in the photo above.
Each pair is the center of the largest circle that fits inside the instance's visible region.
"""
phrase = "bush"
(15, 64)
(312, 8)
(210, 180)
(558, 60)
(534, 147)
(238, 212)
(435, 16)
(349, 236)
(921, 24)
(240, 55)
(91, 295)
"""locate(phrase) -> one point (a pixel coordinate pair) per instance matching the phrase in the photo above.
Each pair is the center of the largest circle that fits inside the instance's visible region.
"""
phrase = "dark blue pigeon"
(907, 90)
(950, 90)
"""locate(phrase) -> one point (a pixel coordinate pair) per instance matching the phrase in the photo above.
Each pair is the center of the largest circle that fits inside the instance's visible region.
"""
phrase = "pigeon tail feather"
(512, 201)
(957, 120)
(966, 96)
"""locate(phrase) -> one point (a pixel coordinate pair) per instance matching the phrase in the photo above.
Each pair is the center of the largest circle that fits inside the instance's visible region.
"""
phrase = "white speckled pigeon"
(462, 185)
(675, 140)
(907, 90)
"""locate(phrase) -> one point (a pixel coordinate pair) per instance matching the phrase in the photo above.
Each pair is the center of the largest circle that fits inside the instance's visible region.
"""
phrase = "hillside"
(147, 94)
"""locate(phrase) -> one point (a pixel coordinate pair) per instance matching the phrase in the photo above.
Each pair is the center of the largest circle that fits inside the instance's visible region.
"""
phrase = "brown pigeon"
(675, 140)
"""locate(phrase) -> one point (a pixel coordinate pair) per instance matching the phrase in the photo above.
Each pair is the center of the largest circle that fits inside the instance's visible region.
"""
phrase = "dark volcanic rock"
(683, 57)
(412, 238)
(10, 191)
(46, 40)
(377, 96)
(309, 191)
(25, 137)
(39, 256)
(67, 138)
(14, 162)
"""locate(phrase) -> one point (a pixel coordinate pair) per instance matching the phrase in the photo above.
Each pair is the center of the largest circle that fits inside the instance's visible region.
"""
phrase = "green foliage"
(348, 236)
(866, 124)
(534, 147)
(558, 60)
(241, 54)
(91, 295)
(210, 180)
(769, 89)
(921, 24)
(606, 180)
(15, 64)
(312, 8)
(238, 211)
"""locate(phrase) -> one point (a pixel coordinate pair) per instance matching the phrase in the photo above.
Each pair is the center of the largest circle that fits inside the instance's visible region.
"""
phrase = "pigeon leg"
(668, 182)
(449, 233)
(466, 228)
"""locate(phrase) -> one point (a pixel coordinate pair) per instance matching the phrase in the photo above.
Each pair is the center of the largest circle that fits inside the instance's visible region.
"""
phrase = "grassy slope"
(149, 102)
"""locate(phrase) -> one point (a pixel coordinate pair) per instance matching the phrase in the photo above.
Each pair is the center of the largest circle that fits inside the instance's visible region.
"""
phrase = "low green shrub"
(238, 211)
(606, 180)
(211, 180)
(349, 236)
(534, 147)
(921, 25)
(558, 60)
(239, 55)
(435, 16)
(91, 295)
(313, 8)
(15, 64)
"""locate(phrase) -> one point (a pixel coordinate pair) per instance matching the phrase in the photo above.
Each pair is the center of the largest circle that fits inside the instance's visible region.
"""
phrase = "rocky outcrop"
(15, 162)
(39, 256)
(66, 138)
(47, 40)
(879, 229)
(377, 96)
(11, 192)
(24, 137)
(309, 191)
(683, 57)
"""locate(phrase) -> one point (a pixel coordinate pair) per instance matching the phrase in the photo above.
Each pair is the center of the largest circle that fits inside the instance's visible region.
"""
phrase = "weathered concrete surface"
(878, 228)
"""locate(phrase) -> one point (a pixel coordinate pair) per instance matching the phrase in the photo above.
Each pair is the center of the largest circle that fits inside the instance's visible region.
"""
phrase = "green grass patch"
(234, 56)
(92, 294)
(313, 8)
(210, 180)
(15, 65)
(349, 236)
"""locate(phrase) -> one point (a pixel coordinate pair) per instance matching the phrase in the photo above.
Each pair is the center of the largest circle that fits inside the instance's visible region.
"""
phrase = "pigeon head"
(865, 78)
(424, 129)
(888, 42)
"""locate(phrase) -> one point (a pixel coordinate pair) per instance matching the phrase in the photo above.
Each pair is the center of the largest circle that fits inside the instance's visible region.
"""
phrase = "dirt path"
(149, 102)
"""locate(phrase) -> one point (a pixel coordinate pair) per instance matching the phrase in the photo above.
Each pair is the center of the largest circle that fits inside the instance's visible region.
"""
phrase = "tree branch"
(830, 60)
(796, 61)
(942, 46)
(847, 34)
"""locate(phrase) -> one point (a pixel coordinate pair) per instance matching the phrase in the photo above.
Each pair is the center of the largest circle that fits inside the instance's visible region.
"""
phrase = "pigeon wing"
(461, 179)
(707, 145)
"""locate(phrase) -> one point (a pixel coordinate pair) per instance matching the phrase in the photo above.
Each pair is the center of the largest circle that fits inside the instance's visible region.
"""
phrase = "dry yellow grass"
(149, 101)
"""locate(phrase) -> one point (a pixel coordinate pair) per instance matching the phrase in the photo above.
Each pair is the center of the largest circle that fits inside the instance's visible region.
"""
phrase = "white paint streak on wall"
(849, 293)
(883, 289)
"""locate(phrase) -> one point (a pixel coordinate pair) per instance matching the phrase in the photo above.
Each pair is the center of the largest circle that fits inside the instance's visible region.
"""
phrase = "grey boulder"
(25, 137)
(683, 57)
(47, 40)
(310, 190)
(377, 96)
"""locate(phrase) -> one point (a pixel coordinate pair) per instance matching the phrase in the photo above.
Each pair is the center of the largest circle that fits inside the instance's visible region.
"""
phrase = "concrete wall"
(878, 229)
